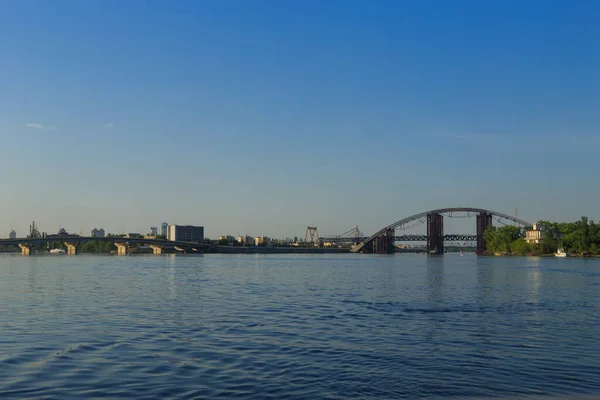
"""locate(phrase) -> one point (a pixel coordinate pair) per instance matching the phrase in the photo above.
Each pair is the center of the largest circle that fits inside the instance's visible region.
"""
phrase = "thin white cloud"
(35, 126)
(109, 125)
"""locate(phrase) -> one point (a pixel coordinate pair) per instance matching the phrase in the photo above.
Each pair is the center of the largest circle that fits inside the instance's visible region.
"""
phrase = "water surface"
(298, 326)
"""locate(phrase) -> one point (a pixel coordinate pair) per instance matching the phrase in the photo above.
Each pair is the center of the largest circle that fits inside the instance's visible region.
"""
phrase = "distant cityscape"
(580, 237)
(185, 233)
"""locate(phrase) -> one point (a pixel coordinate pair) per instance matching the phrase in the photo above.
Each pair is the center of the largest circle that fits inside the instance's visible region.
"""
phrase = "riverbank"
(544, 255)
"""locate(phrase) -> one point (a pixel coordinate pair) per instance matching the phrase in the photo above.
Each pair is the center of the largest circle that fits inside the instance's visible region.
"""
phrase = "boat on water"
(561, 253)
(57, 251)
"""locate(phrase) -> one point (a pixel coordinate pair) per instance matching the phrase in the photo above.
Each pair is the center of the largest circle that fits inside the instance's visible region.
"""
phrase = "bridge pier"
(383, 244)
(156, 249)
(72, 247)
(122, 248)
(435, 233)
(25, 248)
(484, 219)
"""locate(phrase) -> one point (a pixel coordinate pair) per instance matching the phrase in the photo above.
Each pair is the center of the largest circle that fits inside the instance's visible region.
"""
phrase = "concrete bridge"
(382, 242)
(122, 243)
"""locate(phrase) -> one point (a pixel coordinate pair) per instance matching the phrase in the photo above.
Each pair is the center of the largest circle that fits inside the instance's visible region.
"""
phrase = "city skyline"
(264, 118)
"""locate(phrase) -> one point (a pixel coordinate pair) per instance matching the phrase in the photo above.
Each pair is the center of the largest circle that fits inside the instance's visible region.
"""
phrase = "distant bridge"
(122, 243)
(400, 238)
(382, 242)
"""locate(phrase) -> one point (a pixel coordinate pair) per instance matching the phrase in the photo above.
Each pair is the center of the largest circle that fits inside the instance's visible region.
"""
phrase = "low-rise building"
(228, 238)
(245, 240)
(535, 235)
(261, 241)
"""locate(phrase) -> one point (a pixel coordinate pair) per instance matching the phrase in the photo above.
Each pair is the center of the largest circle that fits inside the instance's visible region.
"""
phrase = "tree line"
(580, 237)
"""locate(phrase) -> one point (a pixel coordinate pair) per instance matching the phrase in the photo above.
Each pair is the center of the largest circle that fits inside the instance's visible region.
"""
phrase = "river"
(298, 326)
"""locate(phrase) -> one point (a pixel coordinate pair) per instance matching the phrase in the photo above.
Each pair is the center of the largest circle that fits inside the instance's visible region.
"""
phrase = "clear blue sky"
(263, 117)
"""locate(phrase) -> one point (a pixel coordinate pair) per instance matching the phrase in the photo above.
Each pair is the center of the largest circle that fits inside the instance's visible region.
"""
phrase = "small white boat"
(561, 253)
(57, 251)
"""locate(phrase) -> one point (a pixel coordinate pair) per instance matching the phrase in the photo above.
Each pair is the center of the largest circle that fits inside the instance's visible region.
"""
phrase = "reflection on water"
(534, 279)
(310, 326)
(435, 280)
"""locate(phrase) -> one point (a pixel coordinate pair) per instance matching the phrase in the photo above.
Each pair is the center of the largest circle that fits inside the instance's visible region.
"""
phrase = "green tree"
(594, 233)
(549, 244)
(521, 247)
(499, 240)
(89, 247)
(490, 236)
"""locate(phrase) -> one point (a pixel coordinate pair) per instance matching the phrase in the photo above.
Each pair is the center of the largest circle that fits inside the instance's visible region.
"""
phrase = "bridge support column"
(435, 234)
(383, 244)
(156, 249)
(484, 219)
(25, 248)
(72, 247)
(122, 248)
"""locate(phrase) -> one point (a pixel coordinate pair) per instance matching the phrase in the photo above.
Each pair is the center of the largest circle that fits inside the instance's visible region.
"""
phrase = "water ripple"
(297, 327)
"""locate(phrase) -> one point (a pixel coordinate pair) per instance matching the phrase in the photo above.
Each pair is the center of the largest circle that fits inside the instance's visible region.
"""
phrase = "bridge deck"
(84, 239)
(403, 238)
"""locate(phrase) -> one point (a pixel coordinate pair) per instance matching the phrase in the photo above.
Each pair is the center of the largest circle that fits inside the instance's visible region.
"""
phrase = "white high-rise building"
(186, 233)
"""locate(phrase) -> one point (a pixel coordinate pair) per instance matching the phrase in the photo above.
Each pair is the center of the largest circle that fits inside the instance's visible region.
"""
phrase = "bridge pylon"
(72, 247)
(122, 248)
(25, 248)
(311, 235)
(382, 244)
(435, 233)
(484, 219)
(157, 249)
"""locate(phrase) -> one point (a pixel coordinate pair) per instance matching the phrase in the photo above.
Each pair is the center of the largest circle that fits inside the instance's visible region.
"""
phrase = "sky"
(263, 117)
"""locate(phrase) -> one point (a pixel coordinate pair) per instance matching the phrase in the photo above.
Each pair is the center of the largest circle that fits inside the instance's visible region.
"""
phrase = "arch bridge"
(122, 243)
(382, 242)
